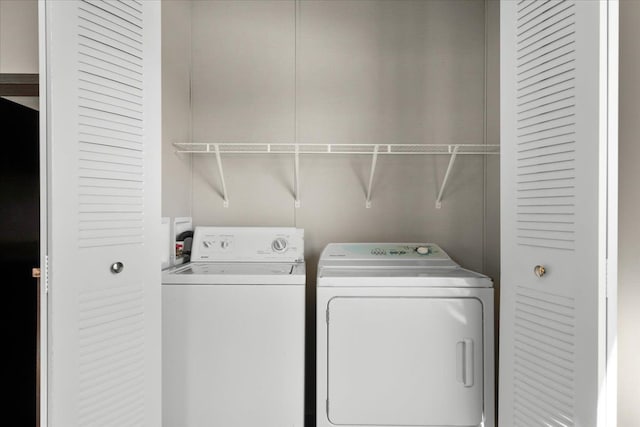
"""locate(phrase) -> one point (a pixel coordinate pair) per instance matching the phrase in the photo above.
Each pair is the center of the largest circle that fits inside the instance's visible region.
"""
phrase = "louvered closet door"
(554, 204)
(103, 208)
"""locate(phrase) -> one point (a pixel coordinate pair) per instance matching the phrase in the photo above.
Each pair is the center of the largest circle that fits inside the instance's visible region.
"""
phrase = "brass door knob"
(539, 270)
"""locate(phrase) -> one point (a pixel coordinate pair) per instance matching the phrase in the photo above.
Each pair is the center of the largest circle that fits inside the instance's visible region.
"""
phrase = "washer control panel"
(255, 244)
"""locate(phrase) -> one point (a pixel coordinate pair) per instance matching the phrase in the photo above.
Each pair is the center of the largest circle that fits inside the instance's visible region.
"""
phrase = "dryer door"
(405, 361)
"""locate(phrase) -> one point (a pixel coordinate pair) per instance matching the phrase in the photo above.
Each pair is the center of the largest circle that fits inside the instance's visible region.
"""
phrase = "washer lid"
(236, 268)
(235, 273)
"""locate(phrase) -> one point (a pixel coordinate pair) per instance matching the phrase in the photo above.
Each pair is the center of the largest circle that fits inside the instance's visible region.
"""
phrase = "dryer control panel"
(341, 255)
(366, 251)
(248, 244)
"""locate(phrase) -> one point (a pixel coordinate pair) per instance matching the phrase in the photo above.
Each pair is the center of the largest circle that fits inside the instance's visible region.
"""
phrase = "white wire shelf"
(255, 148)
(453, 150)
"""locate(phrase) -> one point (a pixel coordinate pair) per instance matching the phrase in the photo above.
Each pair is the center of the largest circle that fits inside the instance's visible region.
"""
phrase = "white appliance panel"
(233, 356)
(350, 252)
(167, 245)
(326, 294)
(248, 244)
(393, 265)
(405, 361)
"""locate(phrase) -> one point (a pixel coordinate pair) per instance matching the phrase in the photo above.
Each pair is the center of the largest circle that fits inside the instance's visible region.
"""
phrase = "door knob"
(117, 267)
(539, 270)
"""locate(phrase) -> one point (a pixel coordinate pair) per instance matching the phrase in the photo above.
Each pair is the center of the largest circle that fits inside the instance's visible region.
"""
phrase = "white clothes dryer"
(233, 330)
(404, 338)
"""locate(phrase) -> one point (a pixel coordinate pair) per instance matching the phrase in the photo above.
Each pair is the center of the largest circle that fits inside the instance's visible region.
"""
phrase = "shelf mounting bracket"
(296, 177)
(221, 171)
(452, 160)
(374, 160)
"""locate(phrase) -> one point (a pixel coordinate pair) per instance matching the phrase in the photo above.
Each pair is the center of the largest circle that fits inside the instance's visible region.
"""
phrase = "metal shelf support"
(452, 160)
(221, 172)
(374, 160)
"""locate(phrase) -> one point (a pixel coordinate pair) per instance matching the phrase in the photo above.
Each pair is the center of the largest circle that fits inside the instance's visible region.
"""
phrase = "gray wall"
(176, 106)
(19, 42)
(629, 212)
(366, 72)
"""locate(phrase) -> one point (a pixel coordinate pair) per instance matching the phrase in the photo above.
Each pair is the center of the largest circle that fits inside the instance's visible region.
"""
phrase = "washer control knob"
(279, 244)
(422, 250)
(224, 244)
(206, 244)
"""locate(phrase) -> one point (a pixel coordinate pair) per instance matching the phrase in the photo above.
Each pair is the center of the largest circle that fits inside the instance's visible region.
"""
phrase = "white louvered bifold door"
(554, 178)
(102, 77)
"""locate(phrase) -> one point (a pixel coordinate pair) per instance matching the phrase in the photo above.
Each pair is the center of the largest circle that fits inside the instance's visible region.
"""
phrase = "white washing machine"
(404, 338)
(233, 330)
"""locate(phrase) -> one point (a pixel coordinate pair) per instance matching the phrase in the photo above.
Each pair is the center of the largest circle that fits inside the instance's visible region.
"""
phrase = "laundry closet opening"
(335, 72)
(20, 244)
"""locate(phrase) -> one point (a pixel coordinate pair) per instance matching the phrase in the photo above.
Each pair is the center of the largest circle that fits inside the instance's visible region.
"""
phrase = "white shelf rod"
(374, 160)
(364, 149)
(221, 171)
(452, 160)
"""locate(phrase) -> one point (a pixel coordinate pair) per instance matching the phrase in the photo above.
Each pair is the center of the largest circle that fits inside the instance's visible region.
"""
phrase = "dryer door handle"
(464, 353)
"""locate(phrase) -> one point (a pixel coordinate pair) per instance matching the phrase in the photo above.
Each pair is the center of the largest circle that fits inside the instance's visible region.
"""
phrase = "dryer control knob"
(422, 250)
(279, 245)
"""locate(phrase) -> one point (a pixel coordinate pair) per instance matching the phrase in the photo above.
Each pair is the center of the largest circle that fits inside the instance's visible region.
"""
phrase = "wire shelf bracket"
(225, 196)
(374, 160)
(452, 160)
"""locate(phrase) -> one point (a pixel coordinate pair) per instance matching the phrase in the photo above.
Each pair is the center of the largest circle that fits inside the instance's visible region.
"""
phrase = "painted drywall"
(366, 72)
(176, 107)
(629, 212)
(18, 36)
(19, 41)
(243, 91)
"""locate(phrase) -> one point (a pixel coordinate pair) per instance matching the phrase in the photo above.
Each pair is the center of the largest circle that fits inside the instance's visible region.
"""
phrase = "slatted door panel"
(110, 116)
(546, 123)
(554, 194)
(544, 354)
(103, 141)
